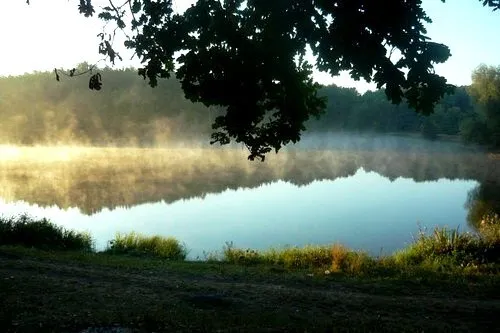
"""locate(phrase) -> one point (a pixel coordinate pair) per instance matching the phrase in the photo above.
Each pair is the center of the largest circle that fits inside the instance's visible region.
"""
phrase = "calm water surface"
(372, 200)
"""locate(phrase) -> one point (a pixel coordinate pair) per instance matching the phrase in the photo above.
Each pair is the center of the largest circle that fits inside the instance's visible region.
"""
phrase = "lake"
(363, 195)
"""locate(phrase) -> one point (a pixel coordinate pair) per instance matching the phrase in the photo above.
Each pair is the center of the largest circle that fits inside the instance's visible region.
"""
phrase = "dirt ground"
(44, 295)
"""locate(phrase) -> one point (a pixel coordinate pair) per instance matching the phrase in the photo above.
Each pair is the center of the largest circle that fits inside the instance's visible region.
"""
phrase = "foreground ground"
(43, 292)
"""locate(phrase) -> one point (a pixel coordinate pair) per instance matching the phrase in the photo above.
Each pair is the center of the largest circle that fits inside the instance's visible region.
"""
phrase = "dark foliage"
(483, 201)
(42, 234)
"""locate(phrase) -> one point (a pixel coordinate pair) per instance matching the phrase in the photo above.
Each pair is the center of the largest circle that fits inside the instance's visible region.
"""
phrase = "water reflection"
(481, 201)
(94, 179)
(365, 211)
(364, 199)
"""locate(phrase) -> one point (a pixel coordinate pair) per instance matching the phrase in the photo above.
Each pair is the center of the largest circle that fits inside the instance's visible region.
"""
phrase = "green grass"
(332, 258)
(450, 249)
(445, 280)
(141, 245)
(42, 234)
(47, 291)
(441, 251)
(325, 259)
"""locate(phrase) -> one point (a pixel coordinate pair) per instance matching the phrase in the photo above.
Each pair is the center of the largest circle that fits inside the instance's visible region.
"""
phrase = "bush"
(42, 234)
(451, 249)
(156, 246)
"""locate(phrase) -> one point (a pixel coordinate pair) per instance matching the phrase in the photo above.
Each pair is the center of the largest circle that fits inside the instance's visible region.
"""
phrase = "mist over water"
(379, 142)
(366, 191)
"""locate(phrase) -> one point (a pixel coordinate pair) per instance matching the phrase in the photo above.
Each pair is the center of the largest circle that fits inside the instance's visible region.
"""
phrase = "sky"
(50, 34)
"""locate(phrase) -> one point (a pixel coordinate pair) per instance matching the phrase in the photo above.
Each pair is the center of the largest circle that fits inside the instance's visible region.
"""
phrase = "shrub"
(157, 246)
(42, 234)
(450, 248)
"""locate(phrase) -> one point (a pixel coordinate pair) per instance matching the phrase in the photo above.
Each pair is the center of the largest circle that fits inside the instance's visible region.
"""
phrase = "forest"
(36, 109)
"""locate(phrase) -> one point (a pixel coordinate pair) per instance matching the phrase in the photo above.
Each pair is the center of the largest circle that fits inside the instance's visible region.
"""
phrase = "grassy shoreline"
(68, 291)
(441, 250)
(144, 284)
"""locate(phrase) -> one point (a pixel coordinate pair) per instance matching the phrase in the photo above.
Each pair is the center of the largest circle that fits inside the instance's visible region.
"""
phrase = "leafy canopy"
(486, 84)
(485, 89)
(248, 56)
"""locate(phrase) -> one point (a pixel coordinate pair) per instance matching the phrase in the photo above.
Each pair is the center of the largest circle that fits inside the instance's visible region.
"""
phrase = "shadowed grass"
(74, 291)
(42, 234)
(238, 290)
(141, 245)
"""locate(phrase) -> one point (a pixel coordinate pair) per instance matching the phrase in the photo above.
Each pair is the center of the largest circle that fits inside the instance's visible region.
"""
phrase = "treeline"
(36, 109)
(348, 110)
(472, 112)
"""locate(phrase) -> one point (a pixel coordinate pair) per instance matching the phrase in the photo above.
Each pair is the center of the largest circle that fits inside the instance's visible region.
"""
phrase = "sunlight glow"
(41, 154)
(8, 152)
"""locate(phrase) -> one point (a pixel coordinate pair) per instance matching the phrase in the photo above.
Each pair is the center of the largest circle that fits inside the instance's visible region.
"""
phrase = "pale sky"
(51, 33)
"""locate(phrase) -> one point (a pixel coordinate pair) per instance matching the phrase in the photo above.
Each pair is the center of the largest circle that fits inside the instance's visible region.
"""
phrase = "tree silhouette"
(248, 57)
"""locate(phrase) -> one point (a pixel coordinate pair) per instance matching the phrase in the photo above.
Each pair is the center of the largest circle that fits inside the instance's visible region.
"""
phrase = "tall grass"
(335, 258)
(450, 249)
(443, 250)
(42, 234)
(141, 245)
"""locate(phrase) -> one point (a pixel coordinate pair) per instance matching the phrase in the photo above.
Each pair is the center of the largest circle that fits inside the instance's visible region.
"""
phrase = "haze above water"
(366, 192)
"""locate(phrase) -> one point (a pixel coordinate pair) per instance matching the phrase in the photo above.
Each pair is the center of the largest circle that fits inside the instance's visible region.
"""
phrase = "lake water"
(371, 199)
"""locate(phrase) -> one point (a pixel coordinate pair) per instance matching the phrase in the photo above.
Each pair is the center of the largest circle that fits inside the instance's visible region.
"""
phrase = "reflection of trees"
(93, 179)
(483, 200)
